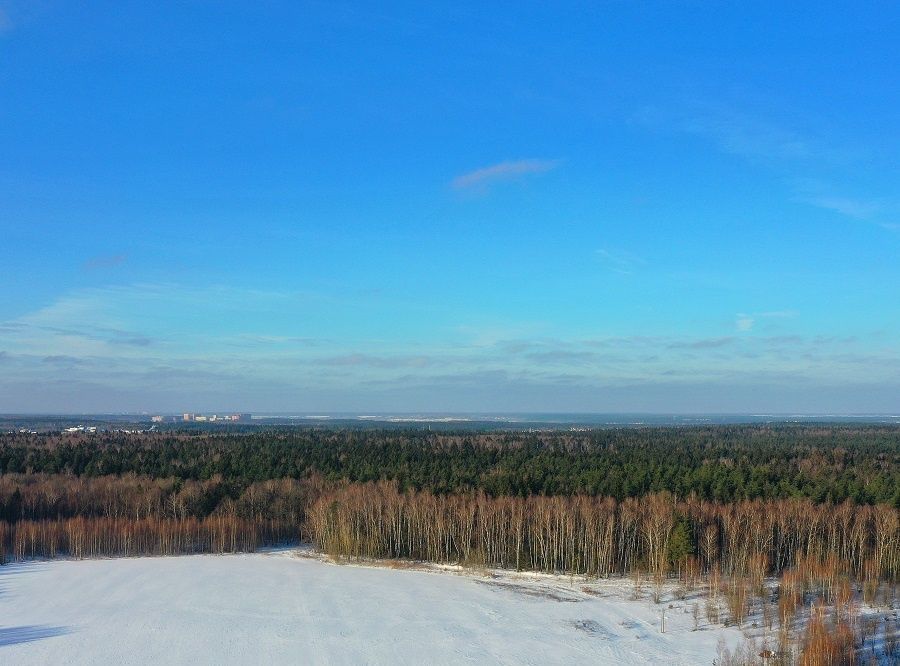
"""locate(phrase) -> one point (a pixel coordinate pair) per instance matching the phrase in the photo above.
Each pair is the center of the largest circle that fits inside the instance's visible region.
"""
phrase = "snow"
(291, 607)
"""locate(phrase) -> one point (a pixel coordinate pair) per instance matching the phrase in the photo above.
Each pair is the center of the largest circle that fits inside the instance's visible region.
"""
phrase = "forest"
(717, 463)
(738, 500)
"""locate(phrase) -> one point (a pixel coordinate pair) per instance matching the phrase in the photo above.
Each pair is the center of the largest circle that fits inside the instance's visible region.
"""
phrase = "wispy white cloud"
(104, 261)
(777, 314)
(619, 261)
(742, 135)
(562, 357)
(116, 320)
(369, 360)
(845, 206)
(734, 131)
(869, 210)
(744, 322)
(485, 176)
(247, 339)
(703, 343)
(797, 157)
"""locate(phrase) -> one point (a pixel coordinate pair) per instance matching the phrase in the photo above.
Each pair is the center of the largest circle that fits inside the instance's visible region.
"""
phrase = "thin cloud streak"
(619, 261)
(845, 206)
(745, 322)
(734, 131)
(368, 360)
(704, 343)
(508, 170)
(105, 261)
(763, 142)
(866, 210)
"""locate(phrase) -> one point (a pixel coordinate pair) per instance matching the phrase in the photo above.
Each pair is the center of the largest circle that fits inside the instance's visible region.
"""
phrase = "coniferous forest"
(722, 463)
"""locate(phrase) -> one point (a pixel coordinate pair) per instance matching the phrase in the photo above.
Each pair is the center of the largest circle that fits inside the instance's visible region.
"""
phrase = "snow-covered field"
(286, 608)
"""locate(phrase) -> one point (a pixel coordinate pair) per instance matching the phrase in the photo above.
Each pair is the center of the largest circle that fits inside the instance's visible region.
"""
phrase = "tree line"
(657, 533)
(50, 515)
(720, 463)
(125, 537)
(46, 496)
(517, 500)
(55, 515)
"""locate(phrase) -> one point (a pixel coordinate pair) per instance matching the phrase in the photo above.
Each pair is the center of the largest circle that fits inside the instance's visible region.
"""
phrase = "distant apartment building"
(216, 418)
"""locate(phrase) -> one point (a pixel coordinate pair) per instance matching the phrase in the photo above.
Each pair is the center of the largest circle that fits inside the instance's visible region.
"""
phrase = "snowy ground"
(284, 607)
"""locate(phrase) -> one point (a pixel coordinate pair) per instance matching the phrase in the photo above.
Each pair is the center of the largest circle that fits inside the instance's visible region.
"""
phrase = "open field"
(280, 608)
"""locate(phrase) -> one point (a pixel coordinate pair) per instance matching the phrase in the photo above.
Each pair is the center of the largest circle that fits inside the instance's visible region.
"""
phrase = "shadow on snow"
(29, 633)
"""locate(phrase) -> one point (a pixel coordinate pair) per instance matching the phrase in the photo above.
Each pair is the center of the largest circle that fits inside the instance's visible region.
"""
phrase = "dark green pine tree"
(681, 545)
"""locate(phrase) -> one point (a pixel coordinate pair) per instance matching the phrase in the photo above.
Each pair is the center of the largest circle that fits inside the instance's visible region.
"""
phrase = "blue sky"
(657, 206)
